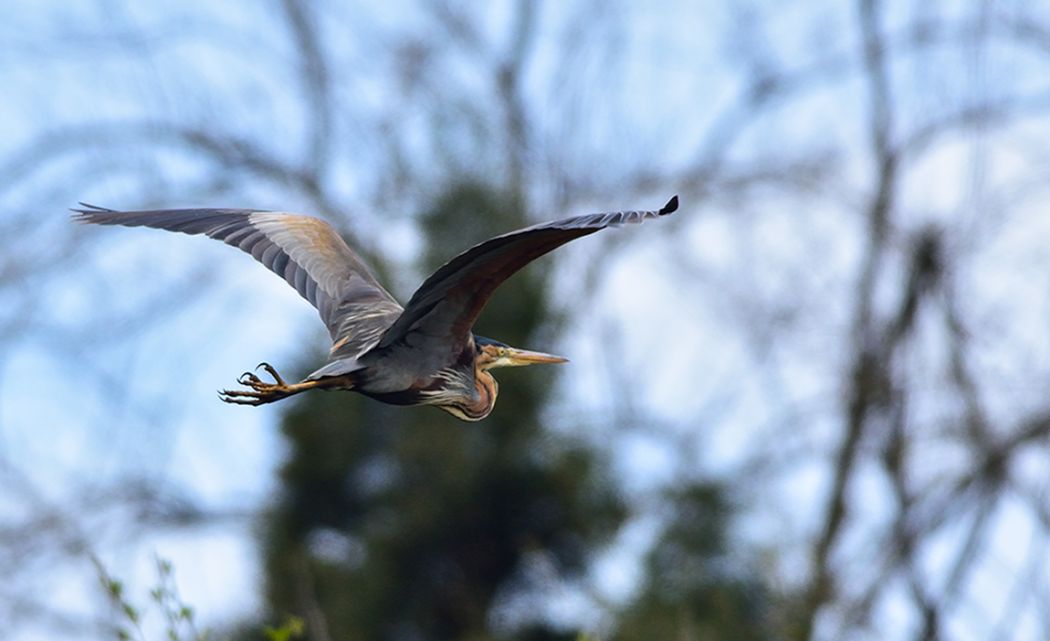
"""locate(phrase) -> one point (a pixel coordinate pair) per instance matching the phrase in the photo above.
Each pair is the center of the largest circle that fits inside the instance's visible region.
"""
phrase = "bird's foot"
(261, 392)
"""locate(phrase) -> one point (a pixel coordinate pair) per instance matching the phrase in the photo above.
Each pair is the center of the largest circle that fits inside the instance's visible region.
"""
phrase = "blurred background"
(811, 405)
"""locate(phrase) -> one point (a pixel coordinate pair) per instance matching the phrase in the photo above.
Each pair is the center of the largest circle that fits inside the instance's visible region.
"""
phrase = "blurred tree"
(698, 585)
(399, 523)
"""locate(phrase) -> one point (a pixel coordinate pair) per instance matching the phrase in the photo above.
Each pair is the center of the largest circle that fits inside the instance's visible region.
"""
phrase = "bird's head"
(488, 354)
(492, 354)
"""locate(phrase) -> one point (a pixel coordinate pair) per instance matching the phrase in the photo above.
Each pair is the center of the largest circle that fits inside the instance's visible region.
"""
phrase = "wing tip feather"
(670, 207)
(86, 212)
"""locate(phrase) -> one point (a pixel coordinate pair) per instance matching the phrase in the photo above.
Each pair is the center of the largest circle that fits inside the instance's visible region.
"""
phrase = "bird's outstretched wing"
(446, 305)
(305, 251)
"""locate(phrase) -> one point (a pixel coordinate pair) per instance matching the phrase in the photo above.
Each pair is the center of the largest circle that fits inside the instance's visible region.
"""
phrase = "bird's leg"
(262, 392)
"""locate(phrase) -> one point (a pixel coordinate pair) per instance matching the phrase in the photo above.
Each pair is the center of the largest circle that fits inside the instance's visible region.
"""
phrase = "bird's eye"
(502, 352)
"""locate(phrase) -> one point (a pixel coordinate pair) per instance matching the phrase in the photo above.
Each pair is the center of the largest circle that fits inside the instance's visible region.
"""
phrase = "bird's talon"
(242, 397)
(259, 391)
(271, 371)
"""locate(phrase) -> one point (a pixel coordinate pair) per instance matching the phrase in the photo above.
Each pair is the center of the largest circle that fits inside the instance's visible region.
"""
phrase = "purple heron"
(424, 353)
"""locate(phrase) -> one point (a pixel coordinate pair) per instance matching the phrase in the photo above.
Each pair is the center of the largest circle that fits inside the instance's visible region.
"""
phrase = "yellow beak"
(520, 357)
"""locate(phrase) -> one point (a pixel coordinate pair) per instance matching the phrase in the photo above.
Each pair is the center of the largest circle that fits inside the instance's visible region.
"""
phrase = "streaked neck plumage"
(474, 407)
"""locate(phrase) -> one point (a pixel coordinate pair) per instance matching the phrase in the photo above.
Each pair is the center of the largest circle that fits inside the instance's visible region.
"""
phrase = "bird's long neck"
(475, 409)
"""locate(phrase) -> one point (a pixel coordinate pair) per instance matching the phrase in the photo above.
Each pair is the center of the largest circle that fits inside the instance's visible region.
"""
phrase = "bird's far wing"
(305, 251)
(446, 305)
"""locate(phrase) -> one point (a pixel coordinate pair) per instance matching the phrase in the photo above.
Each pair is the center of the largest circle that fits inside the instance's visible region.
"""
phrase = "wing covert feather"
(449, 301)
(303, 250)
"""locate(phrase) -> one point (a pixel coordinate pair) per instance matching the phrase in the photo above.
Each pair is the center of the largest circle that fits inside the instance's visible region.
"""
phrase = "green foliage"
(177, 616)
(292, 628)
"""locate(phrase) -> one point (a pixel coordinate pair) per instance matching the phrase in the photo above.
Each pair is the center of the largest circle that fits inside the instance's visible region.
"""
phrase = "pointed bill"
(519, 357)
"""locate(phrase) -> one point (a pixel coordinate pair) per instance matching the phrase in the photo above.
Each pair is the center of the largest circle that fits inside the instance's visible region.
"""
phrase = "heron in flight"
(424, 353)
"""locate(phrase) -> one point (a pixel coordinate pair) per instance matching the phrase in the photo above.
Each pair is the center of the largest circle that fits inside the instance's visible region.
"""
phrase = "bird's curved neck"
(478, 407)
